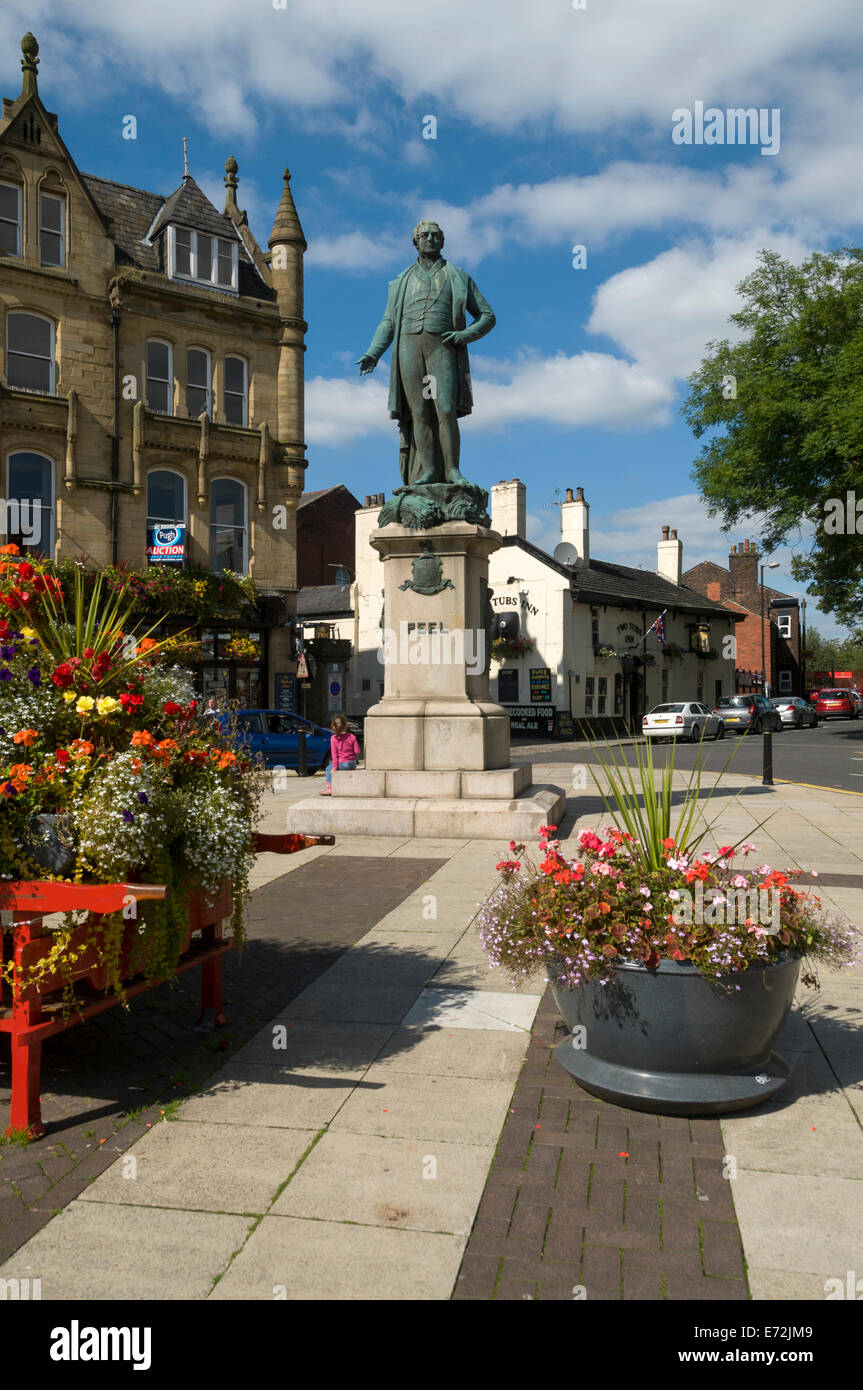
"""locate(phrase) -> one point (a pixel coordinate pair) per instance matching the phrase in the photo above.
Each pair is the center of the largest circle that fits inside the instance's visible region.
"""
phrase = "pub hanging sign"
(166, 545)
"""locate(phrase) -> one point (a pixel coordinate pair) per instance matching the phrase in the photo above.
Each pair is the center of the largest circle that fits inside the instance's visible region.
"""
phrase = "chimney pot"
(734, 550)
(674, 535)
(665, 533)
(746, 545)
(569, 497)
(579, 494)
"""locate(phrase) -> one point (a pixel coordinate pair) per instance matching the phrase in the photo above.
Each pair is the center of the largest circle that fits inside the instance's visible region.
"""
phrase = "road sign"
(302, 668)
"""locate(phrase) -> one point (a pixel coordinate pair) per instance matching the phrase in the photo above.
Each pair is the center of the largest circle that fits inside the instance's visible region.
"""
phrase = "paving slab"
(341, 1001)
(274, 1097)
(389, 1182)
(318, 1261)
(779, 1285)
(462, 1110)
(469, 1008)
(94, 1251)
(203, 1167)
(316, 1049)
(439, 1051)
(809, 1225)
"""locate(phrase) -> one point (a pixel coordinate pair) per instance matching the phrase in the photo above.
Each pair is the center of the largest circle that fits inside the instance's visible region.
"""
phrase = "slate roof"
(134, 211)
(315, 496)
(601, 582)
(324, 600)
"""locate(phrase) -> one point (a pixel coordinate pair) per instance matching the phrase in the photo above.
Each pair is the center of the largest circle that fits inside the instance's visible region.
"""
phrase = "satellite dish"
(565, 554)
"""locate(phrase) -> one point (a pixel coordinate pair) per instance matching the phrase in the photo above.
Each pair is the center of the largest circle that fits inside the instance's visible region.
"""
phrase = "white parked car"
(685, 720)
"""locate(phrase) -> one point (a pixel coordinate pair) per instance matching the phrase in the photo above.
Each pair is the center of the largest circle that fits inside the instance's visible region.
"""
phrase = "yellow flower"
(107, 704)
(69, 696)
(85, 704)
(28, 632)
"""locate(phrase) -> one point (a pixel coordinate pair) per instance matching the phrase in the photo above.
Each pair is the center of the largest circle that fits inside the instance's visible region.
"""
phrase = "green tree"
(783, 406)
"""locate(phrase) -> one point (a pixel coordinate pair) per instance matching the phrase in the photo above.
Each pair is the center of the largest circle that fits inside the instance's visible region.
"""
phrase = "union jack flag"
(659, 627)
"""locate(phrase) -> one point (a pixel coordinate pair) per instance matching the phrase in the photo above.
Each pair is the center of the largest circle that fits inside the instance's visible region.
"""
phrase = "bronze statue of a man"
(430, 386)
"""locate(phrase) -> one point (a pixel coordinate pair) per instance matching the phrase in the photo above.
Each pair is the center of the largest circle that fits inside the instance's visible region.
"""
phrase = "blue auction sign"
(166, 544)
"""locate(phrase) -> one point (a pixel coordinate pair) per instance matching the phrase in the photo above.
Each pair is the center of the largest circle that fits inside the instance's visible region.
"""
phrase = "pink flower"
(739, 881)
(747, 847)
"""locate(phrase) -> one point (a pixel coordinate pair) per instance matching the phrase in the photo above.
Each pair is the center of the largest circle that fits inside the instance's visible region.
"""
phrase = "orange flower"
(82, 748)
(9, 550)
(141, 738)
(165, 748)
(26, 736)
(147, 643)
(136, 764)
(21, 772)
(227, 760)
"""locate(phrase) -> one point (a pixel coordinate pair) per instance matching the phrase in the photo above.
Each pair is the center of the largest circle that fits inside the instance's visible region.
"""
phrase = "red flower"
(101, 664)
(62, 677)
(172, 708)
(25, 571)
(131, 702)
(88, 652)
(62, 756)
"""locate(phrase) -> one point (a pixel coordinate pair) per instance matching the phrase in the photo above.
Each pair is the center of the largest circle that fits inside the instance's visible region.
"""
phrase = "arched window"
(166, 508)
(228, 526)
(28, 515)
(166, 497)
(197, 382)
(236, 391)
(52, 228)
(160, 377)
(342, 575)
(10, 219)
(30, 352)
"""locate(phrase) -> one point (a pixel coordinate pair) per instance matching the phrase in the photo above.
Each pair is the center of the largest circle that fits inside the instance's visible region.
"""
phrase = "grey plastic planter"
(51, 841)
(672, 1042)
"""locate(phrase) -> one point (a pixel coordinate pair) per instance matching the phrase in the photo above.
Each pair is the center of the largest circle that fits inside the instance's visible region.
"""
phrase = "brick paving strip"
(119, 1063)
(590, 1200)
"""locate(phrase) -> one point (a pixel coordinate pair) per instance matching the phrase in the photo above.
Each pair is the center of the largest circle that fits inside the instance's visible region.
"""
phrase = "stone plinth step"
(475, 818)
(504, 783)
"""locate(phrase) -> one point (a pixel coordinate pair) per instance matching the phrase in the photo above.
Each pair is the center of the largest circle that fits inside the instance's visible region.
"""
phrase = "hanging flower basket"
(605, 653)
(502, 647)
(242, 647)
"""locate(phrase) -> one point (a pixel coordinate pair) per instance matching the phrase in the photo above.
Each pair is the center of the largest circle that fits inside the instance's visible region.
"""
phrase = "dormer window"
(52, 229)
(208, 260)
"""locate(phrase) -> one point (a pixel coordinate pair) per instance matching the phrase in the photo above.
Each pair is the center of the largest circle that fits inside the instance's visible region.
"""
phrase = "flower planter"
(674, 1043)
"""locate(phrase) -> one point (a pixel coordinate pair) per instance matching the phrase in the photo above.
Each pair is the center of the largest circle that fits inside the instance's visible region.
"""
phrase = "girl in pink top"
(344, 751)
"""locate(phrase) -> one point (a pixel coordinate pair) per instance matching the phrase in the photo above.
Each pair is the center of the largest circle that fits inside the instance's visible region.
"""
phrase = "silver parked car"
(796, 712)
(686, 719)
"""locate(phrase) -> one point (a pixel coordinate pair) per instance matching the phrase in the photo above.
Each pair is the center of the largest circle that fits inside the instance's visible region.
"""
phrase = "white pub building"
(568, 642)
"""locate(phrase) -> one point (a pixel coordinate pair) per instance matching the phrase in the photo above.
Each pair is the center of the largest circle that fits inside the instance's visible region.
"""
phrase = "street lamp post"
(772, 565)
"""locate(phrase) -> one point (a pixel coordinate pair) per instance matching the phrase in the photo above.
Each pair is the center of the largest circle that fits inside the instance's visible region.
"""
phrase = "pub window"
(594, 632)
(29, 511)
(602, 694)
(10, 219)
(228, 526)
(160, 377)
(52, 229)
(618, 693)
(588, 704)
(236, 392)
(699, 638)
(30, 352)
(588, 685)
(197, 382)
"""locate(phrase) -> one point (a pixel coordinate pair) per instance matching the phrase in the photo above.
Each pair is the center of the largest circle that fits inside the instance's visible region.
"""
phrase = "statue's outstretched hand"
(366, 364)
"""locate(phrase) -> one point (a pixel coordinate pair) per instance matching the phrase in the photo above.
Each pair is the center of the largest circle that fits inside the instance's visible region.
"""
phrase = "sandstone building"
(151, 376)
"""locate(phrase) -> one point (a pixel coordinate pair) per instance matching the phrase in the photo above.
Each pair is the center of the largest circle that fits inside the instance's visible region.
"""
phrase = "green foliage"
(792, 436)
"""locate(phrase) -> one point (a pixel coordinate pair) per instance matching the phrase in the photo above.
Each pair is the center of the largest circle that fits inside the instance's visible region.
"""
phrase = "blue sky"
(554, 128)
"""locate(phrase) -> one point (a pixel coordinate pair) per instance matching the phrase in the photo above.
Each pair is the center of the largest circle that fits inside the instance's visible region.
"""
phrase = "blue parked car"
(275, 735)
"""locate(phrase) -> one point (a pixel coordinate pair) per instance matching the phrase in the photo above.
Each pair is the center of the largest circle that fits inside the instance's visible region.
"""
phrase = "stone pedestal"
(437, 752)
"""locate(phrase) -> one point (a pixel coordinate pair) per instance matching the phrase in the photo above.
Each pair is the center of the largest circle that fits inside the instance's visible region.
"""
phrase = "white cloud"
(353, 251)
(664, 313)
(590, 389)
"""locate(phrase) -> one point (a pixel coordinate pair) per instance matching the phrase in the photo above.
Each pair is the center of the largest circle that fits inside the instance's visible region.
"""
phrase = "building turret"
(287, 247)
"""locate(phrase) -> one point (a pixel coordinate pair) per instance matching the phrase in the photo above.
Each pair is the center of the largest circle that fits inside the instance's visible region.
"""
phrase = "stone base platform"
(496, 805)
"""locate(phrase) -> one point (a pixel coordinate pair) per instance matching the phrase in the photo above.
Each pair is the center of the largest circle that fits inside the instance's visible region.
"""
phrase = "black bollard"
(767, 760)
(302, 766)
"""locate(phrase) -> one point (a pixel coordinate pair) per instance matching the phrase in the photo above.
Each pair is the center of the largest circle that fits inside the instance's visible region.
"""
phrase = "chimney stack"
(669, 556)
(575, 523)
(509, 509)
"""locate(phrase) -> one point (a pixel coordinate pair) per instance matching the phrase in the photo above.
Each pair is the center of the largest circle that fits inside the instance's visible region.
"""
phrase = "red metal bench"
(36, 1012)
